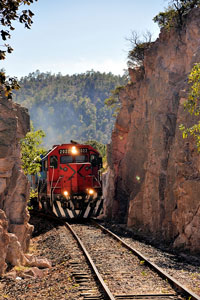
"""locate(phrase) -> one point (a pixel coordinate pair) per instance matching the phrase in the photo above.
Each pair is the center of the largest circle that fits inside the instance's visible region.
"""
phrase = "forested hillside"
(69, 107)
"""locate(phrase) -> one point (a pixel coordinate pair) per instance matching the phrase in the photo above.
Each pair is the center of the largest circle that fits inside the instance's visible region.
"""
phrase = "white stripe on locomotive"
(87, 211)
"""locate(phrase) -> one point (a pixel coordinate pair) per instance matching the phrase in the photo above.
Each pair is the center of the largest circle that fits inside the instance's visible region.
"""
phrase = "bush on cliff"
(139, 46)
(174, 15)
(193, 105)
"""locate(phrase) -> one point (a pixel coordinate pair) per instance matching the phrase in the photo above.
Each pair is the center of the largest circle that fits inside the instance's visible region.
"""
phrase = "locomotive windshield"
(66, 159)
(73, 159)
(81, 158)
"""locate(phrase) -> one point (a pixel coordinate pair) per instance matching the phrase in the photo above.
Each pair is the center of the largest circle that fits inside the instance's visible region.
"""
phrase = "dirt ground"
(56, 282)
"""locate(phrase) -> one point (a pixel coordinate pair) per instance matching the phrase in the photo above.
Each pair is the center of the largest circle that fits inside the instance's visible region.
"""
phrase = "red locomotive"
(70, 181)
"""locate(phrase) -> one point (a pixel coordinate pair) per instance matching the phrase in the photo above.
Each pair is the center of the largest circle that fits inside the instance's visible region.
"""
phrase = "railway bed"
(185, 268)
(72, 278)
(126, 276)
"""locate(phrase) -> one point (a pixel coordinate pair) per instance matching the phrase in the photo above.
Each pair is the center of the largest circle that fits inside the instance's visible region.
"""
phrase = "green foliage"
(69, 107)
(174, 15)
(9, 13)
(8, 84)
(101, 148)
(33, 193)
(138, 47)
(113, 101)
(193, 105)
(192, 131)
(166, 19)
(31, 150)
(136, 55)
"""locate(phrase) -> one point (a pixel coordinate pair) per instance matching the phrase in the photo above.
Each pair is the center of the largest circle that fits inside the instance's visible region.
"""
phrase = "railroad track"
(140, 280)
(172, 289)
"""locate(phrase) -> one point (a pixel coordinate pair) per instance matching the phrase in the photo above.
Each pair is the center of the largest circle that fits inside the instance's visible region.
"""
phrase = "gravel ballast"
(180, 265)
(54, 242)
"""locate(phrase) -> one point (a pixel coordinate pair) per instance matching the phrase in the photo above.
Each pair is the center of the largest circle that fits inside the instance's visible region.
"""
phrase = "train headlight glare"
(65, 193)
(91, 192)
(74, 150)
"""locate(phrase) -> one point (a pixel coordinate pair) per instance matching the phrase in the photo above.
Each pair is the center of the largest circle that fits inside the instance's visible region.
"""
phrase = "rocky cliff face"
(15, 231)
(154, 174)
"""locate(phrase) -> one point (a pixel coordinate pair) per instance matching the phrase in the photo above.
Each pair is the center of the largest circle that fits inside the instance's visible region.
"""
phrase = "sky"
(75, 36)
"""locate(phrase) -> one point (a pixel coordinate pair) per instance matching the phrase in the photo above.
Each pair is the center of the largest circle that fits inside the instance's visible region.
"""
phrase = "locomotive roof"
(67, 145)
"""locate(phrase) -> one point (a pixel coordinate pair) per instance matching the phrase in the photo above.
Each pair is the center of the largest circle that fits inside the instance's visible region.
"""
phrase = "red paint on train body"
(70, 179)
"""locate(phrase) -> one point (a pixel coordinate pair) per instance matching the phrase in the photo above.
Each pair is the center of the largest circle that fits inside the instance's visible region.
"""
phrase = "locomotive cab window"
(54, 161)
(94, 159)
(66, 159)
(81, 158)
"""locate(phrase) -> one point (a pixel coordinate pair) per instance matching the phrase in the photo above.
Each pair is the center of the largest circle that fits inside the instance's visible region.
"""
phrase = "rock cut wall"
(154, 175)
(15, 232)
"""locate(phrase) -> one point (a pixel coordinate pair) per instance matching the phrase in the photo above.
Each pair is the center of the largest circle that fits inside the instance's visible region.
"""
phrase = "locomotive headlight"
(65, 193)
(91, 192)
(74, 150)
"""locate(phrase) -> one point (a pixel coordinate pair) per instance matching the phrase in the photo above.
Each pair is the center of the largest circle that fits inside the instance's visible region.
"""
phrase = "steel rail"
(146, 296)
(176, 284)
(104, 286)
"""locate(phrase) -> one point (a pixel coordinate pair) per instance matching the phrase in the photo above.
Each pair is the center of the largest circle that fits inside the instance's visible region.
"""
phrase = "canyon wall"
(15, 232)
(153, 182)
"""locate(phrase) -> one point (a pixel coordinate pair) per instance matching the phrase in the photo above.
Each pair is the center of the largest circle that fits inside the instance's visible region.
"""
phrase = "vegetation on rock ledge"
(174, 14)
(139, 46)
(193, 105)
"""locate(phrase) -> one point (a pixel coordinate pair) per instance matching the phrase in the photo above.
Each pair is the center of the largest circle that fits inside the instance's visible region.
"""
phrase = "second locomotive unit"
(69, 184)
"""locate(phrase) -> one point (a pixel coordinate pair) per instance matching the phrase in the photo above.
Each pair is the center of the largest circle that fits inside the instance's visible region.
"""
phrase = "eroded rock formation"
(154, 174)
(15, 232)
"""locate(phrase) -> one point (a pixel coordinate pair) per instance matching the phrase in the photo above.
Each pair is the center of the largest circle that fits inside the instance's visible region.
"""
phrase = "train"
(69, 183)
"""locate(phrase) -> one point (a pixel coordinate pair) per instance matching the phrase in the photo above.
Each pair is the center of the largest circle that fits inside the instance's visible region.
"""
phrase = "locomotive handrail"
(57, 183)
(52, 190)
(51, 202)
(52, 176)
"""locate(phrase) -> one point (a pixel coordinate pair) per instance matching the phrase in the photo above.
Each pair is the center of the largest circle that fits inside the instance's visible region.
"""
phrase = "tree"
(101, 148)
(193, 105)
(98, 146)
(139, 46)
(113, 101)
(8, 84)
(77, 99)
(9, 13)
(174, 14)
(31, 150)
